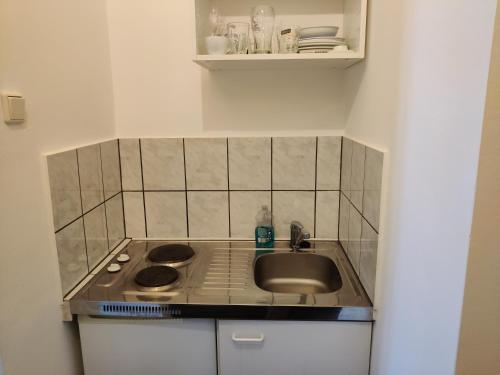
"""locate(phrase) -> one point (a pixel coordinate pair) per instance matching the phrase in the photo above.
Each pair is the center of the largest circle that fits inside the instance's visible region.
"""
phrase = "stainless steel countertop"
(219, 283)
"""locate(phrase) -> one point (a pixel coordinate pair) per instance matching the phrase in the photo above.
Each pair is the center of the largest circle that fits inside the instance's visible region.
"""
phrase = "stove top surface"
(209, 273)
(156, 278)
(171, 254)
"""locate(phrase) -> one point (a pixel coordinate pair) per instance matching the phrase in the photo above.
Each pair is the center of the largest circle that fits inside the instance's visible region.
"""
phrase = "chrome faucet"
(297, 235)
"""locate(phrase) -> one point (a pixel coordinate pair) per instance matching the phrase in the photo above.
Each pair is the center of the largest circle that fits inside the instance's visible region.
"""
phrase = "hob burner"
(172, 254)
(156, 278)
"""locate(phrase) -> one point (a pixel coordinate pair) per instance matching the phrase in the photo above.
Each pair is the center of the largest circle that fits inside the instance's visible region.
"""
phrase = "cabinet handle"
(259, 338)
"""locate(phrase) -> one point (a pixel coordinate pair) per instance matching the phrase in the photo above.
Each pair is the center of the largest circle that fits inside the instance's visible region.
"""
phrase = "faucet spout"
(297, 235)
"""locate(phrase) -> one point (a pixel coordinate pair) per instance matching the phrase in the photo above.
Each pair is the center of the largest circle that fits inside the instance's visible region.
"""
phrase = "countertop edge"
(150, 310)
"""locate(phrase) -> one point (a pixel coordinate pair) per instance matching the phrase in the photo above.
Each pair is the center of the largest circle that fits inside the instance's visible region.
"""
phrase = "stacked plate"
(319, 39)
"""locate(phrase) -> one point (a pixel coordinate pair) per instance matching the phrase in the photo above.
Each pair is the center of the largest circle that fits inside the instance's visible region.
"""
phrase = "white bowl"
(318, 31)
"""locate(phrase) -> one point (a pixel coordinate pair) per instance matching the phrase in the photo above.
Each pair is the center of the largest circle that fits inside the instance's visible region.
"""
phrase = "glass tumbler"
(263, 28)
(287, 38)
(237, 33)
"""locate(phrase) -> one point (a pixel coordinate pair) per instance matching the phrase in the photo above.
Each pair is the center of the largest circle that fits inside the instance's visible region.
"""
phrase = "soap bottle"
(264, 231)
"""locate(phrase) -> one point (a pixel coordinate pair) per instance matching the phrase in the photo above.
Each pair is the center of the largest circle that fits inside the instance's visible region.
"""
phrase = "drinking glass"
(263, 28)
(287, 38)
(237, 33)
(214, 19)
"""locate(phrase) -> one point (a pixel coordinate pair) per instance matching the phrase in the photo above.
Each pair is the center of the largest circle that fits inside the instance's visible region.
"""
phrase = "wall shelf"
(348, 15)
(334, 60)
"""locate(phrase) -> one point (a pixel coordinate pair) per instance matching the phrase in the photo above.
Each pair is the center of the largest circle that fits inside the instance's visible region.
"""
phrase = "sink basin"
(297, 273)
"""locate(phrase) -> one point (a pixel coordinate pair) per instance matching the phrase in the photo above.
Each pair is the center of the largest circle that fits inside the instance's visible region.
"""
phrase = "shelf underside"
(333, 60)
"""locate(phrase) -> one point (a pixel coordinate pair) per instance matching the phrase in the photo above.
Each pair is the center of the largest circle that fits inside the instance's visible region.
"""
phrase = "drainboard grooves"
(226, 265)
(234, 263)
(227, 271)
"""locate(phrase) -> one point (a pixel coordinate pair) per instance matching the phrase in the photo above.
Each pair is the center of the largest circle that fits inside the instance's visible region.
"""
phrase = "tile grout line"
(363, 188)
(340, 200)
(81, 207)
(104, 196)
(143, 191)
(120, 163)
(121, 187)
(104, 201)
(185, 185)
(349, 199)
(87, 212)
(360, 213)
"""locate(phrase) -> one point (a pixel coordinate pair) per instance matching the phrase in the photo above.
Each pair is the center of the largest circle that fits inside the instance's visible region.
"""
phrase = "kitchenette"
(164, 243)
(226, 187)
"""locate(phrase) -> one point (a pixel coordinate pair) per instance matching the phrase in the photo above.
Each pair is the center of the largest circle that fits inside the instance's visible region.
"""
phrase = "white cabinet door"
(294, 348)
(148, 347)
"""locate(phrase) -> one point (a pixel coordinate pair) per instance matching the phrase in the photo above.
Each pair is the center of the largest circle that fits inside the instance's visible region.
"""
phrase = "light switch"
(13, 108)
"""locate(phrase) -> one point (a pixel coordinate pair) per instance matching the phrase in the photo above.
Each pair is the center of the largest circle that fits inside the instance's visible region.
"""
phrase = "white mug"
(216, 45)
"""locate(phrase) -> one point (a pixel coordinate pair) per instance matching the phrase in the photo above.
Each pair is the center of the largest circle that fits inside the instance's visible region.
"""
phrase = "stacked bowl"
(320, 39)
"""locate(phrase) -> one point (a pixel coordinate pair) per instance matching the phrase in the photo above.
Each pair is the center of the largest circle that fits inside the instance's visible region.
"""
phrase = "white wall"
(56, 53)
(480, 332)
(160, 92)
(425, 104)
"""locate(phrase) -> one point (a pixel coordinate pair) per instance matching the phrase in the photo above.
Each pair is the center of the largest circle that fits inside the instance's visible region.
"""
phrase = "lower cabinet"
(197, 347)
(293, 348)
(149, 347)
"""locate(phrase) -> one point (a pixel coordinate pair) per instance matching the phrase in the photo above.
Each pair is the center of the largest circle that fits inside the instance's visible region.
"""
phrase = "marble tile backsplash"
(111, 176)
(206, 164)
(87, 206)
(361, 181)
(294, 163)
(90, 171)
(64, 188)
(130, 161)
(249, 163)
(215, 187)
(162, 164)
